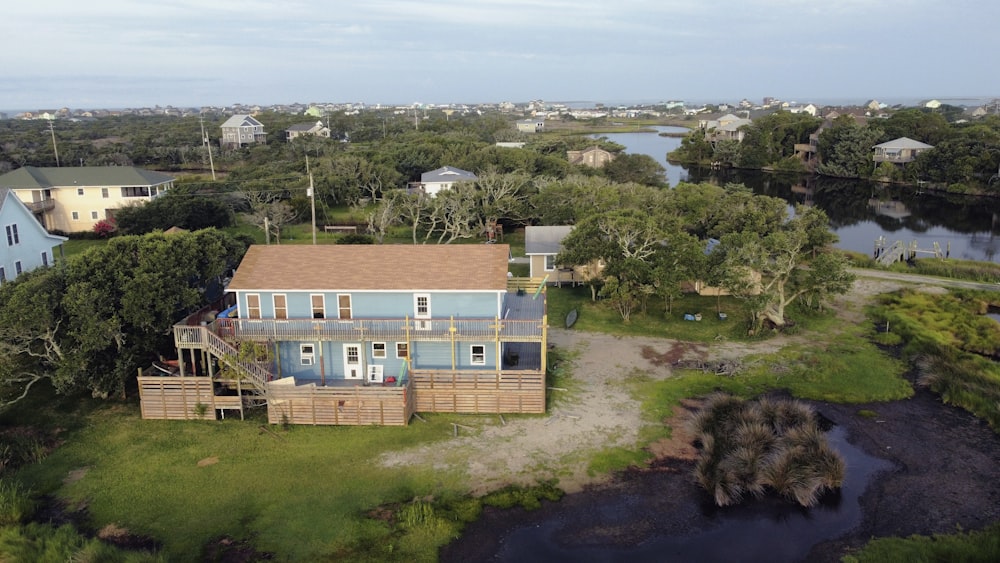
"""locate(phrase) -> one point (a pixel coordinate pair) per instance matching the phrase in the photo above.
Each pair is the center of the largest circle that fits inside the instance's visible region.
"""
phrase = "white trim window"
(12, 237)
(307, 354)
(378, 350)
(3, 274)
(17, 268)
(477, 354)
(422, 305)
(104, 193)
(318, 303)
(76, 215)
(550, 262)
(402, 350)
(344, 306)
(253, 306)
(94, 215)
(45, 258)
(79, 191)
(280, 302)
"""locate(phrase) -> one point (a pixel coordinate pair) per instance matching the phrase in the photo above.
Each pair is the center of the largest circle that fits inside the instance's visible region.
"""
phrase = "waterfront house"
(899, 151)
(595, 157)
(530, 125)
(368, 334)
(26, 244)
(75, 198)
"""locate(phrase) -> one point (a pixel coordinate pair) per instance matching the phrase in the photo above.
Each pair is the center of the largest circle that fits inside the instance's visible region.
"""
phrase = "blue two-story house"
(24, 243)
(443, 321)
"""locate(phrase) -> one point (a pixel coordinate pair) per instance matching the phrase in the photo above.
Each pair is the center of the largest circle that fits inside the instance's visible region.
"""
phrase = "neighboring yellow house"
(74, 199)
(595, 157)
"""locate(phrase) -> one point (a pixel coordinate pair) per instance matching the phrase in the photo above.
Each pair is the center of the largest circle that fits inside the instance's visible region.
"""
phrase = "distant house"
(932, 104)
(530, 125)
(727, 127)
(315, 129)
(595, 157)
(899, 151)
(808, 108)
(242, 130)
(542, 244)
(26, 244)
(74, 199)
(442, 179)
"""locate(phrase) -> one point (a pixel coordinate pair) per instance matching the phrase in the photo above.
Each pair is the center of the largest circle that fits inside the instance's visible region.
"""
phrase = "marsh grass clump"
(751, 448)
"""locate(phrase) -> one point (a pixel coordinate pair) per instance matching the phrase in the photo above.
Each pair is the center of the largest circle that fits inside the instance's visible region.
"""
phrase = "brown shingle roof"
(373, 267)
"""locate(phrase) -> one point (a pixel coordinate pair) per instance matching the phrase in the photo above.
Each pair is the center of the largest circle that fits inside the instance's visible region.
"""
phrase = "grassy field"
(301, 492)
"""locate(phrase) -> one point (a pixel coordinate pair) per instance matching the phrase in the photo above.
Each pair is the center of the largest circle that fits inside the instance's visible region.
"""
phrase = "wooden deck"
(342, 406)
(479, 393)
(184, 398)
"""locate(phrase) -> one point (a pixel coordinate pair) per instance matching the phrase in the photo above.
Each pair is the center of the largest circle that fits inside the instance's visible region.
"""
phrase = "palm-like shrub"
(750, 448)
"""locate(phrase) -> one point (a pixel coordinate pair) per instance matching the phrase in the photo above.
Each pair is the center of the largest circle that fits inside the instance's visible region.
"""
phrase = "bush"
(41, 542)
(16, 504)
(748, 448)
(105, 228)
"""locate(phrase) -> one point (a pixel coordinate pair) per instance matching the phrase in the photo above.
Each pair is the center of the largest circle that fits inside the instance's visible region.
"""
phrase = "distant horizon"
(908, 101)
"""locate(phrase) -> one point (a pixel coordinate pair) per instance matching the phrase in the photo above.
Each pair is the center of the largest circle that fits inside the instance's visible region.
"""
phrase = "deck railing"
(507, 330)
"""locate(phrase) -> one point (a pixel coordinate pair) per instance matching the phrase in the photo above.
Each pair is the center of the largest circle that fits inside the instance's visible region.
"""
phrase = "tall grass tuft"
(750, 448)
(16, 504)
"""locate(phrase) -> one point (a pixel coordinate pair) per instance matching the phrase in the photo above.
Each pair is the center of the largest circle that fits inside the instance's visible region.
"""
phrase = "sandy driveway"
(594, 412)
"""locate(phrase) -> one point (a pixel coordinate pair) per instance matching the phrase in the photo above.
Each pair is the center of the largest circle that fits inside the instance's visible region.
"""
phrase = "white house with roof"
(899, 151)
(242, 130)
(315, 129)
(26, 245)
(74, 198)
(443, 178)
(727, 127)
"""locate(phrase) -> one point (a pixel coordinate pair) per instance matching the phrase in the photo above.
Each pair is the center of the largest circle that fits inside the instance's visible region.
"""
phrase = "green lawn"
(301, 492)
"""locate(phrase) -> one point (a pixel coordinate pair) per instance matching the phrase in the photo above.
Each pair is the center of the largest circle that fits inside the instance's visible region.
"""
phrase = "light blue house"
(361, 335)
(26, 244)
(373, 314)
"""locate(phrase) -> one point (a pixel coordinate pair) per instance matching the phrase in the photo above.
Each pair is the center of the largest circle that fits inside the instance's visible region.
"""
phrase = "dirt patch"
(208, 461)
(75, 475)
(676, 352)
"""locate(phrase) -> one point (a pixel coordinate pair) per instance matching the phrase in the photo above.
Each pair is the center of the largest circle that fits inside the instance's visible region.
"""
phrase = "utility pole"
(55, 148)
(312, 199)
(208, 146)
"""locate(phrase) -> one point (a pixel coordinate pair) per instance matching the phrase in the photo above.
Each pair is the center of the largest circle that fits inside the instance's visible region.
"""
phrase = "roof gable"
(904, 143)
(448, 174)
(30, 177)
(390, 267)
(242, 120)
(11, 206)
(545, 239)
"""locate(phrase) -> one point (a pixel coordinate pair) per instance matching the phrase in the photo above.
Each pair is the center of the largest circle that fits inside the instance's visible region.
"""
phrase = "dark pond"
(860, 212)
(767, 530)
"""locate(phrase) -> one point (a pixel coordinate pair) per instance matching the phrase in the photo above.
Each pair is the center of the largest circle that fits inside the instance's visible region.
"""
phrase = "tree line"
(965, 157)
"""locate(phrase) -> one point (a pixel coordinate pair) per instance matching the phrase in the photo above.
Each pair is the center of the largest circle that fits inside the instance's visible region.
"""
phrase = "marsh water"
(647, 523)
(860, 212)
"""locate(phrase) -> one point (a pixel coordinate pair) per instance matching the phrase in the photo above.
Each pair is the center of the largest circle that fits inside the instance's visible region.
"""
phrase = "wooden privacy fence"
(479, 392)
(183, 398)
(354, 406)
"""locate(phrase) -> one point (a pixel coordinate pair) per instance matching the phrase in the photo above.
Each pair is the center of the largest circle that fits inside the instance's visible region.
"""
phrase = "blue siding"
(437, 355)
(377, 305)
(331, 362)
(32, 238)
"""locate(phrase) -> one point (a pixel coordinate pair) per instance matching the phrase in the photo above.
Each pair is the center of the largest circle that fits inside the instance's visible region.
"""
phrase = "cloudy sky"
(127, 53)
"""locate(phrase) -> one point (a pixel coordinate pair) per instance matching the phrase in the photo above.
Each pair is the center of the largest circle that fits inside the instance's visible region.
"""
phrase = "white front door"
(352, 362)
